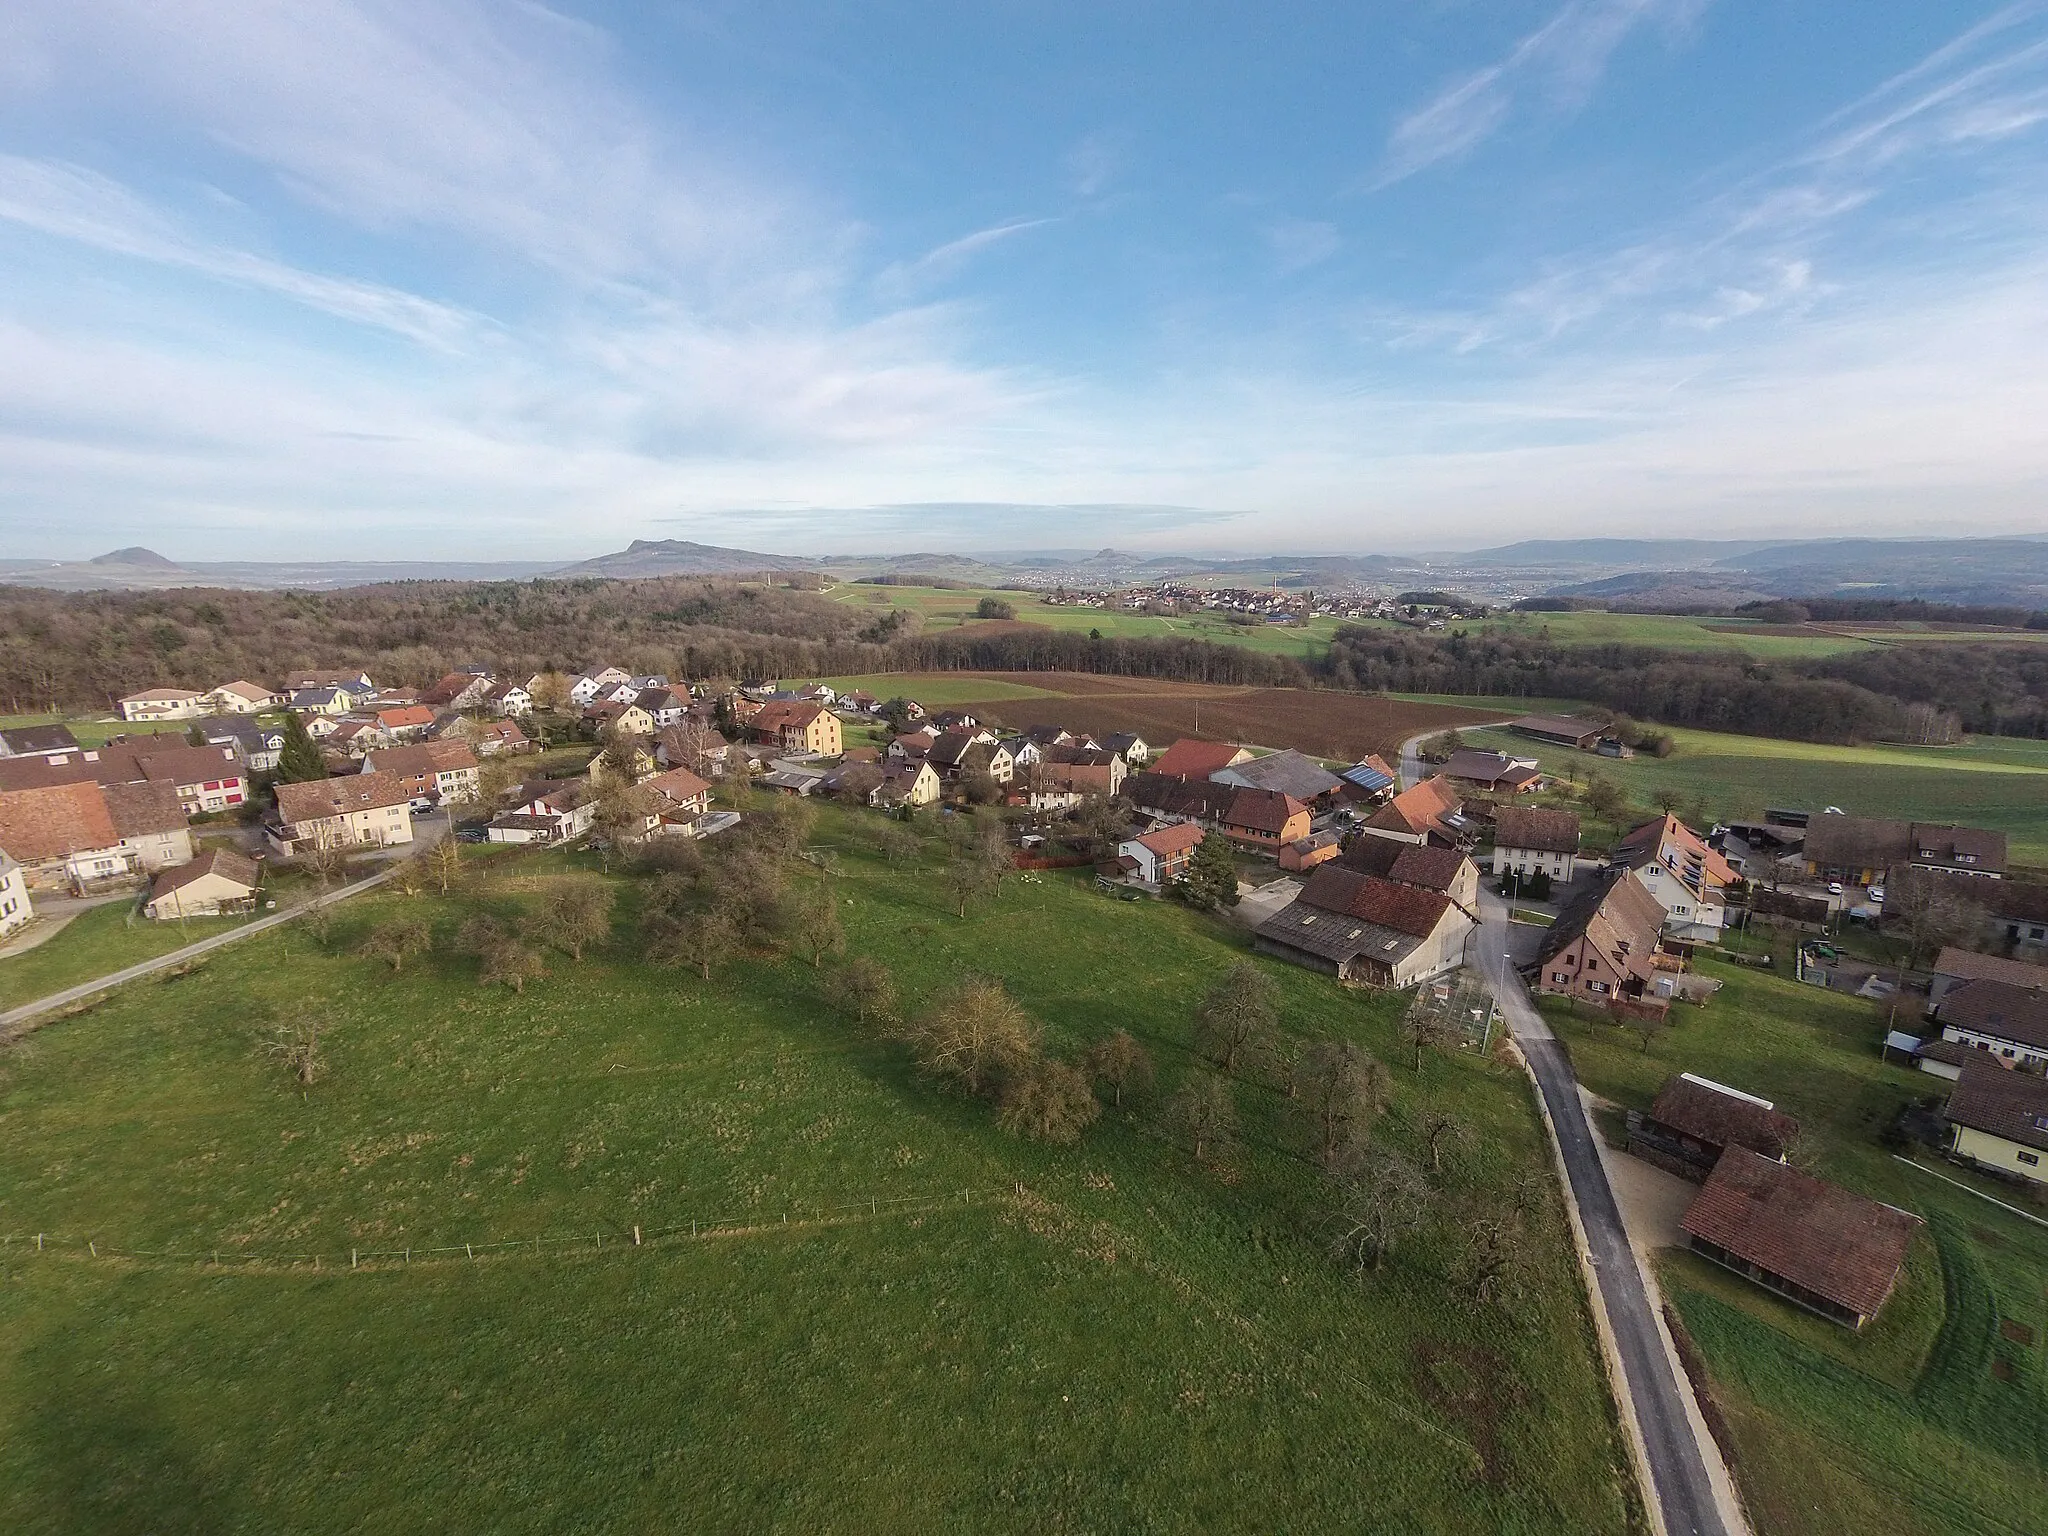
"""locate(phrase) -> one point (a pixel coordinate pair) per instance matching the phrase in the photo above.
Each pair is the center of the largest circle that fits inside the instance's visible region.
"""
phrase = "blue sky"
(434, 278)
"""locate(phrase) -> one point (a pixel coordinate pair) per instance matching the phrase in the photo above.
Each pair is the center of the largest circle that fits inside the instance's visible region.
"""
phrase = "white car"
(1877, 895)
(1834, 887)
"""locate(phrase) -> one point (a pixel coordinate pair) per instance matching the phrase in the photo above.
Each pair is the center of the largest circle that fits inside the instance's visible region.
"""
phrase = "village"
(1335, 867)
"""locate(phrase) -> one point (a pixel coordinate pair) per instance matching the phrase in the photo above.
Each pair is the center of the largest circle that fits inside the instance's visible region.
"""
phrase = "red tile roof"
(1536, 829)
(1406, 909)
(55, 821)
(2001, 1102)
(1176, 837)
(1263, 810)
(319, 799)
(224, 862)
(1420, 809)
(1815, 1234)
(1191, 759)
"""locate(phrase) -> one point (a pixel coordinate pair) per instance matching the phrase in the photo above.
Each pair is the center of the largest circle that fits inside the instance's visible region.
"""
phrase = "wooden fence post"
(636, 1237)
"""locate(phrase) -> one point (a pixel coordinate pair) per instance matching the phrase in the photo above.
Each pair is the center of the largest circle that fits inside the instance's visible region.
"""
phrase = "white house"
(1160, 855)
(1682, 872)
(218, 881)
(1528, 840)
(163, 704)
(1999, 1120)
(587, 687)
(360, 810)
(242, 697)
(14, 903)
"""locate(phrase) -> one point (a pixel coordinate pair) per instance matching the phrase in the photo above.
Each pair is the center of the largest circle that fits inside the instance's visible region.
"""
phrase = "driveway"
(1659, 1403)
(1254, 907)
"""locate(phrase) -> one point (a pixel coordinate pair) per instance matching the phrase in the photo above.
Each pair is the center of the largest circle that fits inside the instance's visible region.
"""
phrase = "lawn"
(1997, 782)
(1107, 1337)
(1911, 1425)
(94, 943)
(87, 731)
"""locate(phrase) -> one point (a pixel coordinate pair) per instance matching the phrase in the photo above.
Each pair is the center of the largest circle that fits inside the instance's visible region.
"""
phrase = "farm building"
(1993, 1019)
(1953, 967)
(1369, 929)
(1289, 772)
(1603, 945)
(1191, 759)
(1561, 730)
(1812, 1242)
(1494, 772)
(1429, 812)
(1694, 1120)
(1861, 850)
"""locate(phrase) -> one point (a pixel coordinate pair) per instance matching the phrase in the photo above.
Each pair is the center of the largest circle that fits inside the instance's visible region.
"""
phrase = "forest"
(78, 651)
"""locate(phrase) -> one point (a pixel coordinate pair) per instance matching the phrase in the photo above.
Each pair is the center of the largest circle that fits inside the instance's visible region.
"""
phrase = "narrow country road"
(14, 1020)
(1684, 1490)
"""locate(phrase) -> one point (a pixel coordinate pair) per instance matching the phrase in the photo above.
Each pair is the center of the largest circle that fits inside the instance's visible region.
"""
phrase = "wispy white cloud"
(903, 278)
(1554, 69)
(1298, 244)
(79, 205)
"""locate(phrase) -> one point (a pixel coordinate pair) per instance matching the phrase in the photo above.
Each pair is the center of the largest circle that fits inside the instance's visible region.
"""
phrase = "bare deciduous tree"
(1235, 1023)
(974, 1034)
(297, 1046)
(1203, 1115)
(1423, 1030)
(865, 986)
(1342, 1088)
(445, 864)
(814, 921)
(699, 940)
(968, 880)
(1047, 1100)
(398, 939)
(1120, 1061)
(1440, 1131)
(1379, 1202)
(511, 963)
(575, 916)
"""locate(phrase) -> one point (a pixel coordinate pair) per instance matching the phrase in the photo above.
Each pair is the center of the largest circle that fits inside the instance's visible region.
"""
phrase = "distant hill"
(682, 557)
(140, 569)
(1641, 554)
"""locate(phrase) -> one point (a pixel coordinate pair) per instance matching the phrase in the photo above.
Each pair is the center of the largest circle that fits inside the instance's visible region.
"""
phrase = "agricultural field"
(1765, 642)
(889, 1314)
(1331, 725)
(943, 608)
(1934, 1419)
(88, 730)
(1994, 781)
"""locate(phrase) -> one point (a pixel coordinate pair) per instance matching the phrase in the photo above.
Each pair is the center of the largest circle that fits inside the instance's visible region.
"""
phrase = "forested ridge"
(86, 650)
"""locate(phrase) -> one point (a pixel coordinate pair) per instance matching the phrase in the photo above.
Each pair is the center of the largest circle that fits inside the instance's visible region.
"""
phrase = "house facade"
(242, 697)
(906, 782)
(163, 704)
(364, 810)
(1161, 856)
(1998, 1120)
(794, 726)
(1602, 947)
(1686, 876)
(445, 771)
(219, 881)
(1369, 929)
(1529, 840)
(16, 910)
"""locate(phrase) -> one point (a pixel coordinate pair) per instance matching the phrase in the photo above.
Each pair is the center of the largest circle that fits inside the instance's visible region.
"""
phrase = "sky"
(440, 279)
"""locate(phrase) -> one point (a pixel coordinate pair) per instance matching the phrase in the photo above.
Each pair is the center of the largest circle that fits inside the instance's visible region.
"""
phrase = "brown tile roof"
(1434, 869)
(786, 714)
(1176, 837)
(1622, 910)
(1420, 809)
(224, 862)
(677, 785)
(1706, 1112)
(1192, 759)
(422, 759)
(55, 821)
(1167, 796)
(2001, 1102)
(1857, 842)
(1968, 965)
(141, 810)
(1406, 909)
(1568, 727)
(1263, 810)
(1477, 767)
(1536, 829)
(1996, 1008)
(189, 765)
(1668, 838)
(405, 715)
(1815, 1234)
(319, 799)
(2010, 900)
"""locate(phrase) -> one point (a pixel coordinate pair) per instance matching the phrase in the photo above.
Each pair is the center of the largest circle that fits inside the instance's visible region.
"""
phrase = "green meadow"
(1994, 781)
(1932, 1420)
(857, 1304)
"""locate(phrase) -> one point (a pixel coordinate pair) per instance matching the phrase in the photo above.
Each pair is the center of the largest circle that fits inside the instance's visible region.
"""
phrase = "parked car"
(1877, 895)
(1834, 887)
(471, 835)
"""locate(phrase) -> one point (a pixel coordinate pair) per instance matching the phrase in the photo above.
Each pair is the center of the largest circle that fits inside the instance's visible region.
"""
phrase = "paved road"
(15, 1020)
(1683, 1489)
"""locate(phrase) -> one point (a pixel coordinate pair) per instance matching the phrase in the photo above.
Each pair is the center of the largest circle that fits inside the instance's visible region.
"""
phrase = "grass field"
(1907, 1426)
(87, 731)
(1106, 1337)
(1997, 782)
(1332, 725)
(97, 941)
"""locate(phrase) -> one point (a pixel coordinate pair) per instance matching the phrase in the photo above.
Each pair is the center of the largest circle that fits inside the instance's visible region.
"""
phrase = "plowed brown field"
(1322, 724)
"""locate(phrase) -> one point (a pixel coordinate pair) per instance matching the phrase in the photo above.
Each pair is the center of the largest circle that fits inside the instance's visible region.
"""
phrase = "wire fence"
(603, 1240)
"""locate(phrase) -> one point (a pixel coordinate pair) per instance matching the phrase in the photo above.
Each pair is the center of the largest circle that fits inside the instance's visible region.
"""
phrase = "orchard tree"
(511, 963)
(1342, 1090)
(699, 940)
(398, 939)
(864, 986)
(975, 1035)
(575, 916)
(1203, 1115)
(1384, 1199)
(1047, 1100)
(1118, 1060)
(1235, 1024)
